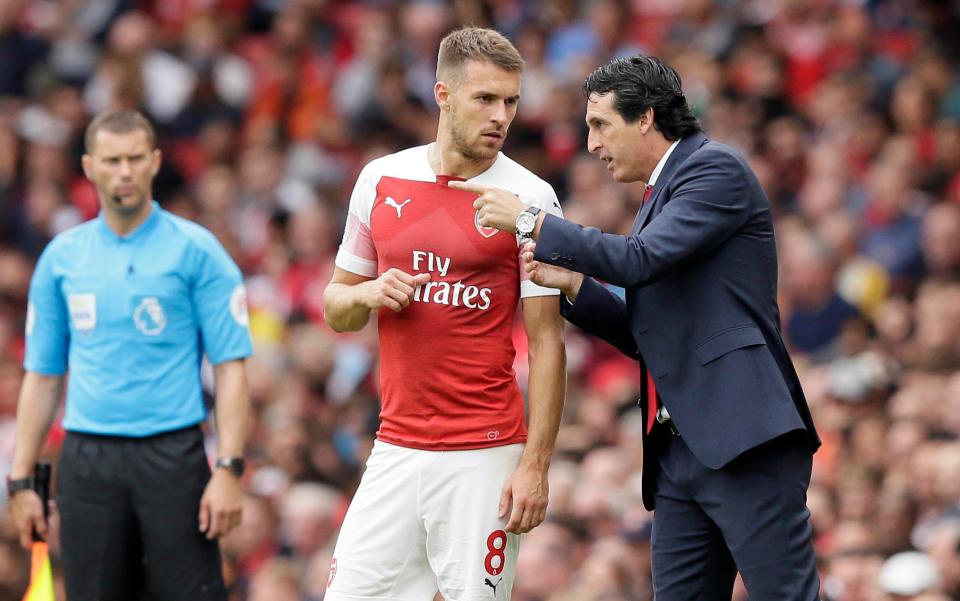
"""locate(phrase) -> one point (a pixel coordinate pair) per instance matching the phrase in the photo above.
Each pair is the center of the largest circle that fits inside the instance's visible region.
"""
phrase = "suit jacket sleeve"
(709, 200)
(600, 312)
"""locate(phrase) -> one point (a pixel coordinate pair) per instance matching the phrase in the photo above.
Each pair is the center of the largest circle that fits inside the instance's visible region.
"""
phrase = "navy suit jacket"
(700, 274)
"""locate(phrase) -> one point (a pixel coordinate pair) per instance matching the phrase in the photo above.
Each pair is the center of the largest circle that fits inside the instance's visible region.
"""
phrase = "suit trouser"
(750, 516)
(129, 518)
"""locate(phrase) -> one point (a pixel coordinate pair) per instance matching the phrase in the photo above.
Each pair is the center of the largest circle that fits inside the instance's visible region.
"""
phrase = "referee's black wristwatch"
(15, 486)
(234, 465)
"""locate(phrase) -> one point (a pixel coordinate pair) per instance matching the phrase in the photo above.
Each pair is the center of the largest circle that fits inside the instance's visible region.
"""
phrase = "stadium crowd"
(848, 111)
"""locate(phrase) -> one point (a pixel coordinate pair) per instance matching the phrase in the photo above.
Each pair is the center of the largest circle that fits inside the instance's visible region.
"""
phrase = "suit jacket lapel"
(684, 149)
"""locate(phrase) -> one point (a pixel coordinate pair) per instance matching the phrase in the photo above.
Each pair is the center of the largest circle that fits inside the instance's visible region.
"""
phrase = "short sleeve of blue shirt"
(47, 329)
(220, 301)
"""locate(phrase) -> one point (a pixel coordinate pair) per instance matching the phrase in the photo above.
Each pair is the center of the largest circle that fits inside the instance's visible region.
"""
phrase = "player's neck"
(446, 160)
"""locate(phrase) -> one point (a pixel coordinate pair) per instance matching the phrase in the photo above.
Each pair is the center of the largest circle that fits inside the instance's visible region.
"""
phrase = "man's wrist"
(536, 462)
(232, 465)
(15, 485)
(536, 229)
(359, 296)
(19, 473)
(574, 289)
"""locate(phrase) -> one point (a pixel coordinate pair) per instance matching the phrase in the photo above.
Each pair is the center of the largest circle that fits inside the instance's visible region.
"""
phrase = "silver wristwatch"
(527, 222)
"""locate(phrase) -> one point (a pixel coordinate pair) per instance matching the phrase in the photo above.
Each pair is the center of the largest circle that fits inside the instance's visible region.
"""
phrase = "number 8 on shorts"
(496, 545)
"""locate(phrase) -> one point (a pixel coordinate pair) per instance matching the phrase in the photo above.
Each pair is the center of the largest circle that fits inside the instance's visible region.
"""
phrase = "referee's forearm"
(36, 408)
(232, 407)
(546, 390)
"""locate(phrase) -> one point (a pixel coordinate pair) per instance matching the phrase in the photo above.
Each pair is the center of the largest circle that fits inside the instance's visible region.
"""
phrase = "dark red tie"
(651, 400)
(651, 385)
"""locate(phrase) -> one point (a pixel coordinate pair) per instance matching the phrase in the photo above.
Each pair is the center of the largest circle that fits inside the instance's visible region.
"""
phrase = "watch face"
(526, 223)
(234, 466)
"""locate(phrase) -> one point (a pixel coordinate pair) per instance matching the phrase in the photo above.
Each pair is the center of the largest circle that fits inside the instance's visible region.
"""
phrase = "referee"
(128, 303)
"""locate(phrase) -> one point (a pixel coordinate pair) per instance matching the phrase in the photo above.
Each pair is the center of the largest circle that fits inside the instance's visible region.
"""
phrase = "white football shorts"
(426, 521)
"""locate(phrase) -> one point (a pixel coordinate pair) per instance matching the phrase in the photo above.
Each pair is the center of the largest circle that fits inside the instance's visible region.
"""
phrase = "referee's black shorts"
(129, 518)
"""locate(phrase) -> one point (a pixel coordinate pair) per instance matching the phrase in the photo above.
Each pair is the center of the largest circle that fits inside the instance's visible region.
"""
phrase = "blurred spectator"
(908, 574)
(278, 580)
(817, 313)
(309, 516)
(941, 241)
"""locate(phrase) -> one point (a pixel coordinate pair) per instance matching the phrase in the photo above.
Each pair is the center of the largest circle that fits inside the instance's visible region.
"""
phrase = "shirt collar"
(139, 232)
(659, 167)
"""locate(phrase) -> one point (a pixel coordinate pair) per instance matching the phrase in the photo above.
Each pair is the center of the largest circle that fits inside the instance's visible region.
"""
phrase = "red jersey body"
(446, 368)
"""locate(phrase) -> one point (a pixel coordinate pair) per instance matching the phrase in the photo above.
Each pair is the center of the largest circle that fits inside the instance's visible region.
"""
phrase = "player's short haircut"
(119, 122)
(475, 44)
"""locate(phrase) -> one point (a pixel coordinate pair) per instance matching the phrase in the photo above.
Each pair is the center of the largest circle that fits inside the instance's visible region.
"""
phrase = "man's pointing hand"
(496, 207)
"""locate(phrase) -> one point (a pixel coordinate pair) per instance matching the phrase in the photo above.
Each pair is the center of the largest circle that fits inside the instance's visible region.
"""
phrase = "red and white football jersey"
(446, 368)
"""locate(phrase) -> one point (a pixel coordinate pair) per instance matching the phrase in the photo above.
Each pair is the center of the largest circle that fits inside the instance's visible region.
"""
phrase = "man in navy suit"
(729, 439)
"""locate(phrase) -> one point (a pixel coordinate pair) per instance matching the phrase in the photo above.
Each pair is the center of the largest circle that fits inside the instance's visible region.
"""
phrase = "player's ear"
(441, 93)
(156, 157)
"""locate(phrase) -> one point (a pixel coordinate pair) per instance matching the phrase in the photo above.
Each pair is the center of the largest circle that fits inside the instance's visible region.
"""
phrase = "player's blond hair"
(475, 44)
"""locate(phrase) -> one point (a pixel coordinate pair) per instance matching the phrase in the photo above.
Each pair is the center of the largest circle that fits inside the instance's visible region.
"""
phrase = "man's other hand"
(550, 276)
(28, 514)
(221, 505)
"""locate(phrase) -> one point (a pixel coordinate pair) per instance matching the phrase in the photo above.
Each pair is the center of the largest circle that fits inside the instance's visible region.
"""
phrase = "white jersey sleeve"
(546, 199)
(357, 252)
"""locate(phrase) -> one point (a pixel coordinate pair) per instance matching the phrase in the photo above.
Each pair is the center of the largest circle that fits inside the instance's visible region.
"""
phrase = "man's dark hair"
(642, 82)
(119, 122)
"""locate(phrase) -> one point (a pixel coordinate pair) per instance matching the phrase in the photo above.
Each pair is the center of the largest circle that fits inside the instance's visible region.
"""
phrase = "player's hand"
(393, 289)
(550, 276)
(221, 506)
(524, 498)
(495, 207)
(27, 510)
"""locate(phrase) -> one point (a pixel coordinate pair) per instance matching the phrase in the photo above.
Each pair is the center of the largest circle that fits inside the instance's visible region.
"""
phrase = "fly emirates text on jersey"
(444, 293)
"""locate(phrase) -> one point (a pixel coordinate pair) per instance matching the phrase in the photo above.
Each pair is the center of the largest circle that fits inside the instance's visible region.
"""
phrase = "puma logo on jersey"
(399, 207)
(487, 582)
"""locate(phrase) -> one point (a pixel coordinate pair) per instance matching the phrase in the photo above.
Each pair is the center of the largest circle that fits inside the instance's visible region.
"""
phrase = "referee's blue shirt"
(131, 317)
